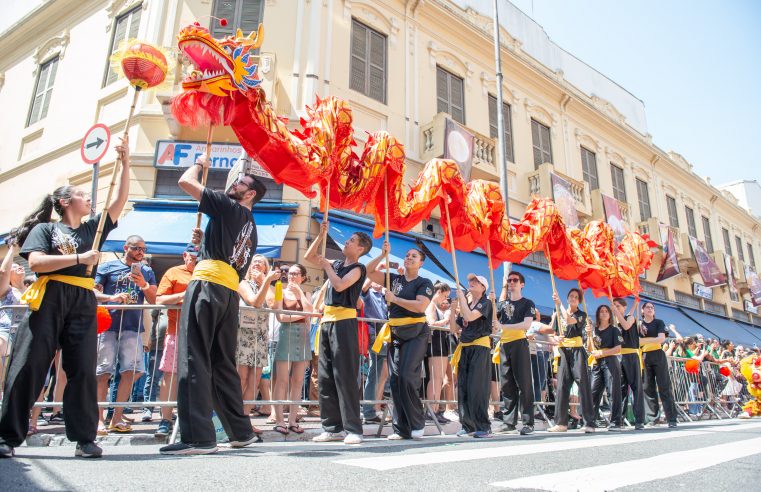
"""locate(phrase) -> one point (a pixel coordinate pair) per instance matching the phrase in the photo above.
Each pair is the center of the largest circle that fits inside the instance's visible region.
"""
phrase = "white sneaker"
(328, 437)
(42, 421)
(394, 437)
(353, 439)
(418, 434)
(451, 416)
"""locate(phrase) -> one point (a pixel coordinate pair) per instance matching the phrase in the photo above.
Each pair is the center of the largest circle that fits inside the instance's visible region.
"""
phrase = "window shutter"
(134, 22)
(442, 91)
(507, 114)
(358, 54)
(250, 15)
(225, 9)
(492, 116)
(457, 95)
(377, 69)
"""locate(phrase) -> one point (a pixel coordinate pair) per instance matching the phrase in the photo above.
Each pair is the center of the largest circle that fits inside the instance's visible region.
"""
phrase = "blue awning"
(685, 325)
(723, 327)
(166, 225)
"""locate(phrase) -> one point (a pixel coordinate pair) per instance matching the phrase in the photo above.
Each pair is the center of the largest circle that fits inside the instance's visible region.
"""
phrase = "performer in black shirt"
(408, 299)
(338, 363)
(471, 358)
(652, 335)
(606, 369)
(62, 313)
(515, 314)
(207, 375)
(631, 363)
(572, 365)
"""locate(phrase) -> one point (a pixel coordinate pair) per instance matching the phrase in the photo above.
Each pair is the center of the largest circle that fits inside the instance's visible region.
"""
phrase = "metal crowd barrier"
(702, 395)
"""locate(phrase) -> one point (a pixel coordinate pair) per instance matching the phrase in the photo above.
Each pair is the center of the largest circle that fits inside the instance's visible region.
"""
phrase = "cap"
(192, 249)
(481, 279)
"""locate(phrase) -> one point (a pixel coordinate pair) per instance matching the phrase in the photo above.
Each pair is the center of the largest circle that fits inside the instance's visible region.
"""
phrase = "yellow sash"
(217, 272)
(649, 347)
(481, 342)
(384, 335)
(508, 335)
(592, 360)
(575, 342)
(625, 351)
(34, 294)
(332, 313)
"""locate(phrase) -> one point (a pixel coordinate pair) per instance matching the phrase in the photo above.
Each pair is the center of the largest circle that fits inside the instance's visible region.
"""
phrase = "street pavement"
(710, 455)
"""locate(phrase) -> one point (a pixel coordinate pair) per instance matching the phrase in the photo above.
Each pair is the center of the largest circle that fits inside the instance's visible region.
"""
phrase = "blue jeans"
(377, 361)
(153, 376)
(539, 372)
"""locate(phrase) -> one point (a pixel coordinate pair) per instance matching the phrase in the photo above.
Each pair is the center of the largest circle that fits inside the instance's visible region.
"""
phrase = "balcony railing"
(687, 299)
(484, 148)
(654, 290)
(714, 307)
(540, 183)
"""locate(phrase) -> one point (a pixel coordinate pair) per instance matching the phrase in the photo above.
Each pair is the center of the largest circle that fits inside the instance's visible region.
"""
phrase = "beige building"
(405, 67)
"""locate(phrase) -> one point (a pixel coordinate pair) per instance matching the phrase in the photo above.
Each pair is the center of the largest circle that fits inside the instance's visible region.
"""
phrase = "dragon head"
(220, 66)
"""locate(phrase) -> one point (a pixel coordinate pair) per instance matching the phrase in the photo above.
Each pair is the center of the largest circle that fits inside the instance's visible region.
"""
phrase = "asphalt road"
(715, 456)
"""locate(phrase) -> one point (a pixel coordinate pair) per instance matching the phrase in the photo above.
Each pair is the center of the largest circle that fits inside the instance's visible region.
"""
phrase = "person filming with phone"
(125, 281)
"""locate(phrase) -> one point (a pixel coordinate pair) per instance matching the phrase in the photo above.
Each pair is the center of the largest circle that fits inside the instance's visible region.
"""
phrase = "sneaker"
(558, 428)
(452, 416)
(329, 437)
(372, 420)
(56, 418)
(508, 429)
(184, 449)
(672, 425)
(527, 429)
(650, 424)
(6, 451)
(441, 419)
(42, 422)
(242, 443)
(147, 416)
(88, 450)
(395, 437)
(639, 427)
(589, 430)
(353, 439)
(464, 433)
(499, 415)
(164, 429)
(418, 434)
(482, 434)
(615, 428)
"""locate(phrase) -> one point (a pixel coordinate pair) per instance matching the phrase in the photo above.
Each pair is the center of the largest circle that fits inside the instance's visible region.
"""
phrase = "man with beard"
(208, 336)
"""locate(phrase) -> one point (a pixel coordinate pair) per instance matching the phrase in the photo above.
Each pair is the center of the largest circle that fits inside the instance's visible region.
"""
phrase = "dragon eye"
(228, 50)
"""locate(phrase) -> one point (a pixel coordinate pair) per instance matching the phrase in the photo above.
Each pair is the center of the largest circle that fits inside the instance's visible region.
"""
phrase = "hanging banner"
(458, 146)
(563, 197)
(750, 307)
(670, 264)
(754, 285)
(709, 270)
(614, 217)
(734, 294)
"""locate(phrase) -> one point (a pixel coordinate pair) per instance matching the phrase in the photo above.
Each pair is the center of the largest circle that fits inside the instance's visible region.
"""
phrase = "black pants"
(631, 377)
(517, 383)
(606, 375)
(337, 377)
(206, 372)
(405, 356)
(66, 319)
(473, 388)
(573, 367)
(657, 374)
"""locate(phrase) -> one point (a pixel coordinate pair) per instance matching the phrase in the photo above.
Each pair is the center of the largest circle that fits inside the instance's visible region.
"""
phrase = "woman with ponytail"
(62, 310)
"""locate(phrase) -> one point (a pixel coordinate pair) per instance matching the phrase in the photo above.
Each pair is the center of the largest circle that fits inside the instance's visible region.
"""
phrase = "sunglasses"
(513, 281)
(242, 180)
(140, 249)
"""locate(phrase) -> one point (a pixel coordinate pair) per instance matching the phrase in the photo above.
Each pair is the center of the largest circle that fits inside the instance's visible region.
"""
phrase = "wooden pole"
(205, 174)
(385, 208)
(451, 245)
(112, 185)
(325, 218)
(491, 277)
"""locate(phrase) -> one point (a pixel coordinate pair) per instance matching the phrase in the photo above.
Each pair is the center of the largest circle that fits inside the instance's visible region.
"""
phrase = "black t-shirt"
(349, 296)
(609, 337)
(653, 328)
(577, 329)
(513, 312)
(480, 327)
(630, 337)
(55, 238)
(409, 290)
(230, 235)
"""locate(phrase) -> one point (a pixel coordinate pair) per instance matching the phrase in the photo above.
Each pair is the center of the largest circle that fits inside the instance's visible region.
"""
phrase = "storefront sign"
(701, 290)
(180, 154)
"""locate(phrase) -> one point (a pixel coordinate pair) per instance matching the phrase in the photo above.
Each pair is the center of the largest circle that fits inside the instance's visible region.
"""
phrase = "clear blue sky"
(696, 64)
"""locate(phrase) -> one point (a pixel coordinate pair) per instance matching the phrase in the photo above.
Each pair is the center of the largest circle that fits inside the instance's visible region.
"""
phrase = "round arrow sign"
(95, 143)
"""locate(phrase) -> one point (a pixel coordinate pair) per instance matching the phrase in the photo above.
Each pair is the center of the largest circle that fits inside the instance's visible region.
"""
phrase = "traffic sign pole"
(94, 190)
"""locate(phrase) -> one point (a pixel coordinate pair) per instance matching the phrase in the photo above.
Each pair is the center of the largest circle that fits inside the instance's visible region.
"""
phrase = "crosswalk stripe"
(613, 476)
(514, 449)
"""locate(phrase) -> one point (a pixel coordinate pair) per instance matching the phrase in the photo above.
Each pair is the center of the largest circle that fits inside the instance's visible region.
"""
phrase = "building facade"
(405, 67)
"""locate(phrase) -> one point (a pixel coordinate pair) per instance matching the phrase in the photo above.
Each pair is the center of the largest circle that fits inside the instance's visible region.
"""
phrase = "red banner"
(614, 217)
(563, 197)
(754, 285)
(670, 264)
(708, 268)
(731, 281)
